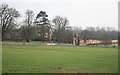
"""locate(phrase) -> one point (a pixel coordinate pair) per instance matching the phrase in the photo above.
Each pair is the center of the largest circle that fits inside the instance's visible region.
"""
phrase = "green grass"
(58, 59)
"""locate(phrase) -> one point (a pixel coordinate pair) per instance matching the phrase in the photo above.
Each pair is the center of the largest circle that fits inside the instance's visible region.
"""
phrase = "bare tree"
(8, 17)
(28, 24)
(61, 24)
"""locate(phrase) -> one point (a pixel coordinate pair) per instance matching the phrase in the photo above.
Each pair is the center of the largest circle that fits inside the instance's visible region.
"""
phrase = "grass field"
(58, 59)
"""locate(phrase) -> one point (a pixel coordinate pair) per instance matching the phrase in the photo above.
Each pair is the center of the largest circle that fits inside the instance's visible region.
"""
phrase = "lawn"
(58, 59)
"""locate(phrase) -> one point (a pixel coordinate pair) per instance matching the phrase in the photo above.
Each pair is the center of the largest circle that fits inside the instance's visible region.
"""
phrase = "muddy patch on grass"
(69, 70)
(74, 70)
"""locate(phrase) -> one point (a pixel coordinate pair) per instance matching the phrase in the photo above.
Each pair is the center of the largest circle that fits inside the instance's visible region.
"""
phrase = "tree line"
(34, 29)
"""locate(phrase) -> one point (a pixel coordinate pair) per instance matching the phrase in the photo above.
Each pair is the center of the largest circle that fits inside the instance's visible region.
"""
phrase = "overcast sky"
(81, 13)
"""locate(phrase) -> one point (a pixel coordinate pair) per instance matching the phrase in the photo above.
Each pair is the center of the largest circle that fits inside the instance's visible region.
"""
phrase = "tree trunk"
(3, 35)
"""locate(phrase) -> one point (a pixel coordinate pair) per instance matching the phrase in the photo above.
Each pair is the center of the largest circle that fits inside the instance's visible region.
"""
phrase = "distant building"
(76, 39)
(48, 34)
(97, 42)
